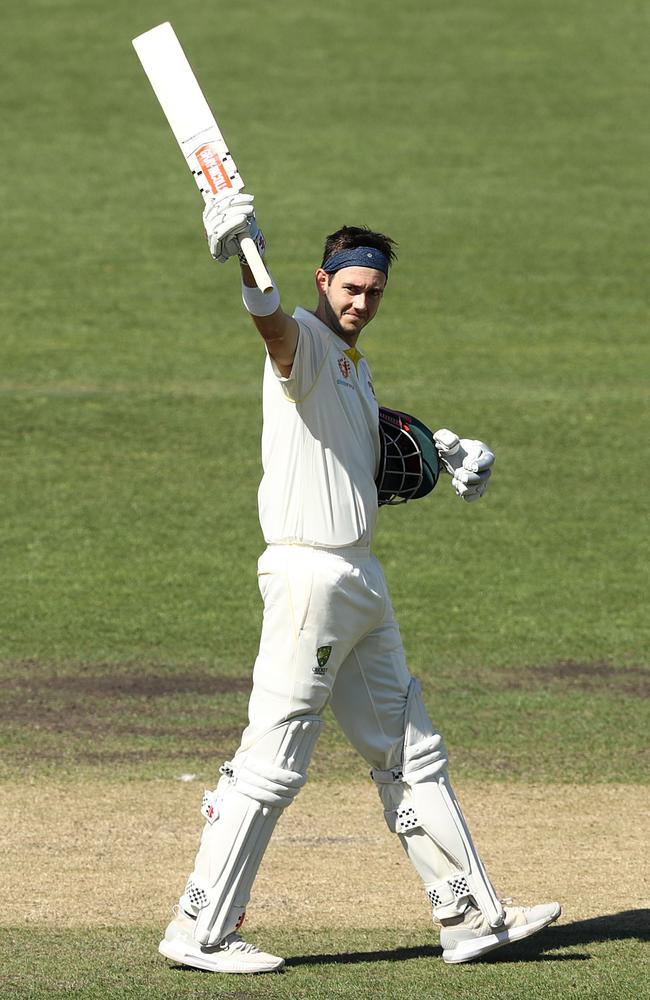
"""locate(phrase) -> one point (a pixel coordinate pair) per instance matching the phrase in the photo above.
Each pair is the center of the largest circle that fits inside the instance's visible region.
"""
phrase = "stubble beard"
(334, 323)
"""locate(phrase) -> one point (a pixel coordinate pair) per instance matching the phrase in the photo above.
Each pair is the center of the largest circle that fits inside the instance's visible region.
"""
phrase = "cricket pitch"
(85, 854)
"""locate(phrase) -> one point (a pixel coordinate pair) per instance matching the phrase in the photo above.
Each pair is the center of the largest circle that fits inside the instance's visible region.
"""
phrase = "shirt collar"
(309, 317)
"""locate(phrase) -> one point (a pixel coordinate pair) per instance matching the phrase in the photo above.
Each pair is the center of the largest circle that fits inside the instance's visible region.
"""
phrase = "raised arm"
(226, 220)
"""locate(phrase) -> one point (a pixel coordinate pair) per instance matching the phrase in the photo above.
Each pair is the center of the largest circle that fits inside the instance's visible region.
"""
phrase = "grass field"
(505, 147)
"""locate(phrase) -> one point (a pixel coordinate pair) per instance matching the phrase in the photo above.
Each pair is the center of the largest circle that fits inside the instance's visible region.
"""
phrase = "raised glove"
(468, 462)
(228, 218)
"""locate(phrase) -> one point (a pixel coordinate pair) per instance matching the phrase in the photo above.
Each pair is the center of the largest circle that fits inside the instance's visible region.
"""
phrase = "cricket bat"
(194, 126)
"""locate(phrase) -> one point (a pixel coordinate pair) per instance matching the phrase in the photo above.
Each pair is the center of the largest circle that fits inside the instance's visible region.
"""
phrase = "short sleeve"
(311, 352)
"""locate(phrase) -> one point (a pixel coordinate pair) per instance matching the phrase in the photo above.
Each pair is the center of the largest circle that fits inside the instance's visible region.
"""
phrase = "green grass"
(129, 376)
(594, 958)
(569, 722)
(505, 147)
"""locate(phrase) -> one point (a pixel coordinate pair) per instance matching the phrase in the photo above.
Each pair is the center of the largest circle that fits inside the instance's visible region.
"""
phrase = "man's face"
(350, 298)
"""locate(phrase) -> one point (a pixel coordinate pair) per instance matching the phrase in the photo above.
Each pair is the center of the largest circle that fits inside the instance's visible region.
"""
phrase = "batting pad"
(421, 808)
(241, 815)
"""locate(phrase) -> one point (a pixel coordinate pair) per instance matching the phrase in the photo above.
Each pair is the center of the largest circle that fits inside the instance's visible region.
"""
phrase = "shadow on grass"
(624, 926)
(630, 924)
(353, 957)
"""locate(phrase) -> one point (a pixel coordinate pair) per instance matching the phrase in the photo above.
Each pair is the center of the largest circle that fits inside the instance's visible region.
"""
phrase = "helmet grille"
(400, 468)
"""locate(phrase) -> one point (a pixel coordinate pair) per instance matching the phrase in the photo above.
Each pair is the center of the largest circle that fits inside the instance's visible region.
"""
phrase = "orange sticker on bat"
(213, 169)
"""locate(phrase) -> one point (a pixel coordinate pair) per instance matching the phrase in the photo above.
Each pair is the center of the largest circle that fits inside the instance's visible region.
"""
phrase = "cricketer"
(329, 634)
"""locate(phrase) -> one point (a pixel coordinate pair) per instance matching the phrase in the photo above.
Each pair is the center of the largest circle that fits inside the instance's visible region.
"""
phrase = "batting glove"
(226, 220)
(468, 462)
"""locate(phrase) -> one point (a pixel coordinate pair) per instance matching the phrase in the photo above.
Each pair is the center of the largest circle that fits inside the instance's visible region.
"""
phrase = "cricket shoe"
(470, 936)
(230, 955)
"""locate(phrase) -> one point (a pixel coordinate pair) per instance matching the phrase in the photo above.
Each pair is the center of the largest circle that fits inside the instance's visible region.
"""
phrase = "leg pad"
(420, 806)
(240, 816)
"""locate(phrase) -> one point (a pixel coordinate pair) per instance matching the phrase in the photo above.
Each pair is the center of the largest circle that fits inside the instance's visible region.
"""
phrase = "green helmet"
(409, 464)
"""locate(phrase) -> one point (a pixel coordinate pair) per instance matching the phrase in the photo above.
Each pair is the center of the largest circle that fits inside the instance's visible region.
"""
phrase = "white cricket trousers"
(329, 634)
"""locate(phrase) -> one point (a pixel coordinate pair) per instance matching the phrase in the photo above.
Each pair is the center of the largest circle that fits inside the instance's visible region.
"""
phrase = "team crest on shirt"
(345, 367)
(322, 656)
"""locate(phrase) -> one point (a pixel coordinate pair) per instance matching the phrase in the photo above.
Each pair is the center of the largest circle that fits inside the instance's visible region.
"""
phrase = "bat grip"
(262, 277)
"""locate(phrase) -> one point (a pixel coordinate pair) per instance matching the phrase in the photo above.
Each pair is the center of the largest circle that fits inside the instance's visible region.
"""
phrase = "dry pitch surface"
(84, 854)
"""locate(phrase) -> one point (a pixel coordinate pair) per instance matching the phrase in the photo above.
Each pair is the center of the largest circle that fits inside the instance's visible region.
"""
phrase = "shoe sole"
(465, 951)
(175, 951)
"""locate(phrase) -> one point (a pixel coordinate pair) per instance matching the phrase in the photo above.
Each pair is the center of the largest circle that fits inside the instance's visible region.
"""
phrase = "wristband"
(260, 303)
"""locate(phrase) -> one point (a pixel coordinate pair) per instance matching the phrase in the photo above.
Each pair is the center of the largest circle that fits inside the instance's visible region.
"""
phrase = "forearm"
(278, 330)
(247, 275)
(227, 220)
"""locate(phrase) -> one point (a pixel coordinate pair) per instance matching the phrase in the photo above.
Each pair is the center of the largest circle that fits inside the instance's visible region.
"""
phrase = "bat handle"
(256, 264)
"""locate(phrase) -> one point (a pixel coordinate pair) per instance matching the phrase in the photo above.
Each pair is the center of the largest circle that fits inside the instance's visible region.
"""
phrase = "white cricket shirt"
(320, 444)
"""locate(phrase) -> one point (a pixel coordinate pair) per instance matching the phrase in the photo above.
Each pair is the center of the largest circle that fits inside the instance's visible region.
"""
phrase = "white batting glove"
(468, 462)
(228, 218)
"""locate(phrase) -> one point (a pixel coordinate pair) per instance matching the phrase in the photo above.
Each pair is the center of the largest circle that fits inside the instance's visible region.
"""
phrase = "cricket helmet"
(409, 464)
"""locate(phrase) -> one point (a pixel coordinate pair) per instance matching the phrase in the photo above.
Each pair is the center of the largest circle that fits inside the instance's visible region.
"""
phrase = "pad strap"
(448, 891)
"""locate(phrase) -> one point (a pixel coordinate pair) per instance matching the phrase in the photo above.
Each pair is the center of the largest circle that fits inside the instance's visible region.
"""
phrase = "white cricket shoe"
(470, 936)
(230, 955)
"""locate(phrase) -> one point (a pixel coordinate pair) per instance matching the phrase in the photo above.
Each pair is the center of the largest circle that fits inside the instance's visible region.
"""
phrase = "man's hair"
(350, 237)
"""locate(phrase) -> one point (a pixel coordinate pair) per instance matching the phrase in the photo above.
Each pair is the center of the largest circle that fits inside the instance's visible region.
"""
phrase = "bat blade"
(193, 124)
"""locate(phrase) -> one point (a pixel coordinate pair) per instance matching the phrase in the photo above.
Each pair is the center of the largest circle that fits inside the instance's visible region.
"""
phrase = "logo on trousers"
(322, 656)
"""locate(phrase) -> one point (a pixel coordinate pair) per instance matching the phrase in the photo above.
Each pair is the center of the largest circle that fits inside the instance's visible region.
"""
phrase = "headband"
(357, 257)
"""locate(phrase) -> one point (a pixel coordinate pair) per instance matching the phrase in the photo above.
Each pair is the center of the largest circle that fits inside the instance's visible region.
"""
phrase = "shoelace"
(234, 941)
